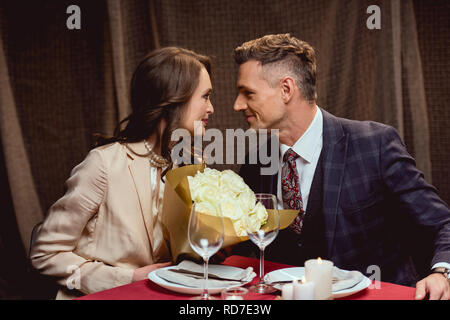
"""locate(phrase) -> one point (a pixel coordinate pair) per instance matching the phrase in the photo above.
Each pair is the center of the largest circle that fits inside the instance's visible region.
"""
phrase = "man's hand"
(435, 285)
(141, 273)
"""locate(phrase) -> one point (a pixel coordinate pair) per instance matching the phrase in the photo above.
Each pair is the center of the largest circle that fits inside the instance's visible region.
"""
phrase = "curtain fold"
(24, 196)
(396, 67)
(412, 63)
(63, 85)
(133, 33)
(154, 24)
(117, 33)
(361, 72)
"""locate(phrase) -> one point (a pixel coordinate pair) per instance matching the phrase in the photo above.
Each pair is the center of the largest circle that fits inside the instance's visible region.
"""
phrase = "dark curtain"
(58, 87)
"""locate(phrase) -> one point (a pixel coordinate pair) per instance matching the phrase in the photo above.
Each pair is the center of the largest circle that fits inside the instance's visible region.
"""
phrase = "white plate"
(189, 290)
(299, 272)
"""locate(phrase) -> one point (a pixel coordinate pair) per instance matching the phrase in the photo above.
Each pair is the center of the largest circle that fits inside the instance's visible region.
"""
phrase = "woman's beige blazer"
(107, 224)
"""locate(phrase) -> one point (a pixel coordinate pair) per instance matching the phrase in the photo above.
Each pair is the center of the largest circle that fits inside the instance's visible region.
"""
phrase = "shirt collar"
(306, 144)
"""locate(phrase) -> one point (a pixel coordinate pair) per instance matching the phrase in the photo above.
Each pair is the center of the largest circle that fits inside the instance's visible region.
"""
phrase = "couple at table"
(353, 183)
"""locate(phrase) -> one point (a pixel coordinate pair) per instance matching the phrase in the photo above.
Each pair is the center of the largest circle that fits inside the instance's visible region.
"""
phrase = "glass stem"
(261, 266)
(205, 279)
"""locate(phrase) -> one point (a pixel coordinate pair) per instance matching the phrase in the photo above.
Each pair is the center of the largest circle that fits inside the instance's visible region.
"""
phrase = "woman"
(106, 230)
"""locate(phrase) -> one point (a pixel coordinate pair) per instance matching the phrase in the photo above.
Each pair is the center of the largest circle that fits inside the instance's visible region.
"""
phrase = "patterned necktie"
(290, 188)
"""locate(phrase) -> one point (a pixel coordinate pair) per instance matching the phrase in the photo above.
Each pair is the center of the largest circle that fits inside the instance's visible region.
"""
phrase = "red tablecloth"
(147, 290)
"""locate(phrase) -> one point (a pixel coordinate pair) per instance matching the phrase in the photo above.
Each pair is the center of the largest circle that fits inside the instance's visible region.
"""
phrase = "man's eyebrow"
(243, 87)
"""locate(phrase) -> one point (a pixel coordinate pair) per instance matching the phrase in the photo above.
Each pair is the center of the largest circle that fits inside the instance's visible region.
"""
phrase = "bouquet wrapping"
(211, 190)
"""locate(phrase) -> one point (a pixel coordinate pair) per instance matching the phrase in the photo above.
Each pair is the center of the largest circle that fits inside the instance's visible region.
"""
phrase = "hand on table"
(436, 285)
(141, 273)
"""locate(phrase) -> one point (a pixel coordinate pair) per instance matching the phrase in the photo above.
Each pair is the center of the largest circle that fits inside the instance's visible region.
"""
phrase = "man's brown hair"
(283, 51)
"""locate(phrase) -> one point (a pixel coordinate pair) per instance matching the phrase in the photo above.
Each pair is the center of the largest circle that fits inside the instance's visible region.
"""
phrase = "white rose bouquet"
(212, 190)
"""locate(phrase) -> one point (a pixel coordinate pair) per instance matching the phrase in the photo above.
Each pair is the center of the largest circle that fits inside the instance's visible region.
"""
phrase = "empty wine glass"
(206, 234)
(264, 236)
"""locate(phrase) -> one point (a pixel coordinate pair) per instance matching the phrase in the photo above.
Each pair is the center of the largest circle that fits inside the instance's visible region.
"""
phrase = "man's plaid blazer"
(376, 203)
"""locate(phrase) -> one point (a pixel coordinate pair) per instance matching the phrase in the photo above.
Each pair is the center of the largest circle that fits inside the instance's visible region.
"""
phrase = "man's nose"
(239, 104)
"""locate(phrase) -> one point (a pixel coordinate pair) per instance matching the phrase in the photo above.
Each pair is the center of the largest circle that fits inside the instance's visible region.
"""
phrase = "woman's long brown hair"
(162, 84)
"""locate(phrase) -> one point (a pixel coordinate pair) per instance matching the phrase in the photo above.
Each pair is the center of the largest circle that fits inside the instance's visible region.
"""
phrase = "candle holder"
(234, 294)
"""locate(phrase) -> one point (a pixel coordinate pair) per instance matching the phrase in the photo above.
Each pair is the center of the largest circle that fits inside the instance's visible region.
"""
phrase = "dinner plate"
(299, 272)
(189, 290)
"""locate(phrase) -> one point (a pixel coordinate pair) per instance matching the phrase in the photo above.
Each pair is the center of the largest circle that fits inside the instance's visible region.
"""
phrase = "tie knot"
(290, 155)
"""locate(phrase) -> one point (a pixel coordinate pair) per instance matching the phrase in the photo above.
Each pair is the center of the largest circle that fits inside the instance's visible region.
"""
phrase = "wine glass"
(206, 234)
(264, 236)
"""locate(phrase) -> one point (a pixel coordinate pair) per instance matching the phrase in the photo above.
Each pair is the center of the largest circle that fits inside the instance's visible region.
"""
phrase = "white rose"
(253, 224)
(213, 190)
(247, 200)
(194, 184)
(206, 193)
(210, 177)
(260, 213)
(225, 194)
(230, 180)
(206, 207)
(231, 208)
(240, 228)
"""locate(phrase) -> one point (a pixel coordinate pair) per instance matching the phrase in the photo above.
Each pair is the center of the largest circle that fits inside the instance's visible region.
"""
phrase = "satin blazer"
(106, 225)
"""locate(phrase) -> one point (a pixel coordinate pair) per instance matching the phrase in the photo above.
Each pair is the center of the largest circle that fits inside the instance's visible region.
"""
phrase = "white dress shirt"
(308, 147)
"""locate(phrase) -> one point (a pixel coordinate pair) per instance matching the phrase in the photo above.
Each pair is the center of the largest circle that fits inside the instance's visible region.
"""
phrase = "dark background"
(69, 84)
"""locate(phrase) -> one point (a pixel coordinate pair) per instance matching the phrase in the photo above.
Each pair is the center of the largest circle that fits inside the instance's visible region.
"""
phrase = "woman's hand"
(141, 273)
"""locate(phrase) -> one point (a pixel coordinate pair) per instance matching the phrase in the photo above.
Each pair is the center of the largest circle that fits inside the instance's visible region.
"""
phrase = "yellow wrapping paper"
(177, 206)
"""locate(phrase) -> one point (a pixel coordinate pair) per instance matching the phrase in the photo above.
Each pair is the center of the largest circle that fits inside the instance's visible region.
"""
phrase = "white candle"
(234, 294)
(303, 290)
(287, 292)
(321, 273)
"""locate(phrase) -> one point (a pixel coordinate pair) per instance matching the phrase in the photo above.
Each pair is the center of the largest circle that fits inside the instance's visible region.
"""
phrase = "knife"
(201, 275)
(334, 280)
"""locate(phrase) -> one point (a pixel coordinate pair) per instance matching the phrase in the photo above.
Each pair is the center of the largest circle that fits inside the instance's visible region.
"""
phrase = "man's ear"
(288, 88)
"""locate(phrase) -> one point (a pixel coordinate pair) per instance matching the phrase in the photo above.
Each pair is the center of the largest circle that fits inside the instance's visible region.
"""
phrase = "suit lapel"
(270, 182)
(140, 172)
(334, 150)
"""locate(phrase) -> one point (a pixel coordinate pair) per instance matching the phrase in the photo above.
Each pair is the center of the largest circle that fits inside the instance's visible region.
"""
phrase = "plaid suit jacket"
(376, 203)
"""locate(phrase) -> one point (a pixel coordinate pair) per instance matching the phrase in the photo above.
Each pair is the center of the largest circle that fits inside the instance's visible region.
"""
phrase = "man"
(356, 188)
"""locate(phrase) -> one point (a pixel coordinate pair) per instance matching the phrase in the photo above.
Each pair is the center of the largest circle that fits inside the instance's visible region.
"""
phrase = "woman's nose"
(210, 109)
